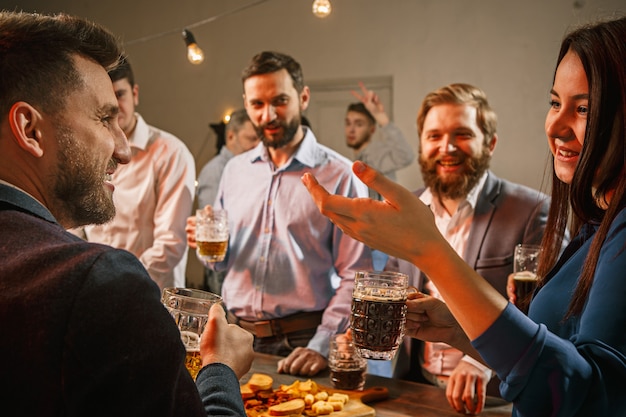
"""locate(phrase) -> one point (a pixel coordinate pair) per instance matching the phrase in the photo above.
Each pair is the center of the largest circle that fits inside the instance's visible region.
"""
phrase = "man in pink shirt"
(154, 192)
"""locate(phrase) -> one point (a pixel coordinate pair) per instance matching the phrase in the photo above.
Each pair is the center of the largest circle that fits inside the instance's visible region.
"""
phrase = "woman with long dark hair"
(568, 356)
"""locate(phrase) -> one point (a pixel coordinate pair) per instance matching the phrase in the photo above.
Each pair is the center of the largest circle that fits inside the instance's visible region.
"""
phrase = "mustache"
(112, 165)
(272, 124)
(458, 158)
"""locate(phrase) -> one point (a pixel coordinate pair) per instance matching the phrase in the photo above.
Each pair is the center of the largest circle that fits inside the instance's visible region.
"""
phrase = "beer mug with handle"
(190, 309)
(378, 312)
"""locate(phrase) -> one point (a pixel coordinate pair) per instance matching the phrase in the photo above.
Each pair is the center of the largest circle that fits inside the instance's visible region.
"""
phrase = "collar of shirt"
(8, 184)
(455, 227)
(141, 134)
(42, 211)
(226, 153)
(472, 197)
(308, 153)
(13, 186)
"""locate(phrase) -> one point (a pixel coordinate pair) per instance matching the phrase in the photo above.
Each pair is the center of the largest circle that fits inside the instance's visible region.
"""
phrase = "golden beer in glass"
(211, 234)
(190, 309)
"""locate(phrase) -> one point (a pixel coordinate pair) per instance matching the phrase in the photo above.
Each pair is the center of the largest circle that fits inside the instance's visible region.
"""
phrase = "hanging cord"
(193, 25)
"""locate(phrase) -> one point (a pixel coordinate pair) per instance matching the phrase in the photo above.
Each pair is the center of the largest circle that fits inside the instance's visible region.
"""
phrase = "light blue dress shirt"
(284, 256)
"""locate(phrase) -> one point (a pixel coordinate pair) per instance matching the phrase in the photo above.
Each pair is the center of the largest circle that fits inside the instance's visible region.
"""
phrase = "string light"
(322, 8)
(194, 53)
(197, 52)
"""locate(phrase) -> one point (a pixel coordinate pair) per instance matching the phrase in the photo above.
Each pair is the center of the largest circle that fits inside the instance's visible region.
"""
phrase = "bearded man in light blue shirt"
(290, 270)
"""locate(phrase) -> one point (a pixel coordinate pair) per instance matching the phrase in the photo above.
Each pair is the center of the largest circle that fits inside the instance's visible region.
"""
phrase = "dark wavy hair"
(267, 62)
(360, 108)
(601, 48)
(36, 57)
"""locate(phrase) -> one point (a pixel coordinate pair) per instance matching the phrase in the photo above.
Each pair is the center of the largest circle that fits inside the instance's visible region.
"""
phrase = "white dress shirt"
(153, 197)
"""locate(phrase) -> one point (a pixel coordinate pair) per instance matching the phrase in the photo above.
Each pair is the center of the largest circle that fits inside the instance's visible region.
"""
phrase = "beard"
(455, 186)
(289, 130)
(79, 186)
(359, 143)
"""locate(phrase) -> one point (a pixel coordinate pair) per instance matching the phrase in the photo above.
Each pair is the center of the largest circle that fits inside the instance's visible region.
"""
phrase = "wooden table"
(405, 398)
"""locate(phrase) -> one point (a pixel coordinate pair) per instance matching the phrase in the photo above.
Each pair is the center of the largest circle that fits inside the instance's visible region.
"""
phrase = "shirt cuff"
(508, 337)
(320, 342)
(219, 390)
(485, 369)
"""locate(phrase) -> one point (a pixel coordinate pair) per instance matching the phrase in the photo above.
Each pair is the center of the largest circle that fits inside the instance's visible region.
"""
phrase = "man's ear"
(136, 94)
(230, 135)
(26, 122)
(492, 144)
(305, 96)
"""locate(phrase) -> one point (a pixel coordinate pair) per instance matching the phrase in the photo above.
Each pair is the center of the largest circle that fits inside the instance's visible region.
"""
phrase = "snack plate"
(355, 407)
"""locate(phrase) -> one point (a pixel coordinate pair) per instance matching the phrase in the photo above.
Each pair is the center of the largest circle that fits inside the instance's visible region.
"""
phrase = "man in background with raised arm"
(389, 154)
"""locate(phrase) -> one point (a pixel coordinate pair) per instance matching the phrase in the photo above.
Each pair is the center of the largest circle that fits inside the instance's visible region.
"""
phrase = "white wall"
(507, 48)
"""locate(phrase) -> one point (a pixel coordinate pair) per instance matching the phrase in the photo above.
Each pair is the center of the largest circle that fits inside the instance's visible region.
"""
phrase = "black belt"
(280, 326)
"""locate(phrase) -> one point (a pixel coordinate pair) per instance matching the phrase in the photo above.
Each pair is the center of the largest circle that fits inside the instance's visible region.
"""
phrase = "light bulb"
(194, 53)
(322, 8)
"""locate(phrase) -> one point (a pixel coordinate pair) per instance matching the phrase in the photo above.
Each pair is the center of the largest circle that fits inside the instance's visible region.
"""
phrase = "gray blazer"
(506, 214)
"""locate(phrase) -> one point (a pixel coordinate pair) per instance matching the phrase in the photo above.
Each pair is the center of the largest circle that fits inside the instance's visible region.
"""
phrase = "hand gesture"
(372, 103)
(402, 226)
(409, 228)
(302, 361)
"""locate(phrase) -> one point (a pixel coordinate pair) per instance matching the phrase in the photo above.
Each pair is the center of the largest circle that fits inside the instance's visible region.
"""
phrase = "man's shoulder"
(99, 261)
(215, 164)
(419, 191)
(516, 190)
(508, 197)
(49, 238)
(331, 156)
(314, 154)
(163, 139)
(242, 159)
(499, 187)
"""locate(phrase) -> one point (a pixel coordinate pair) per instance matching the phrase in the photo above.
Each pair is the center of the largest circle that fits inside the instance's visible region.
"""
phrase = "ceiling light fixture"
(194, 53)
(322, 8)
